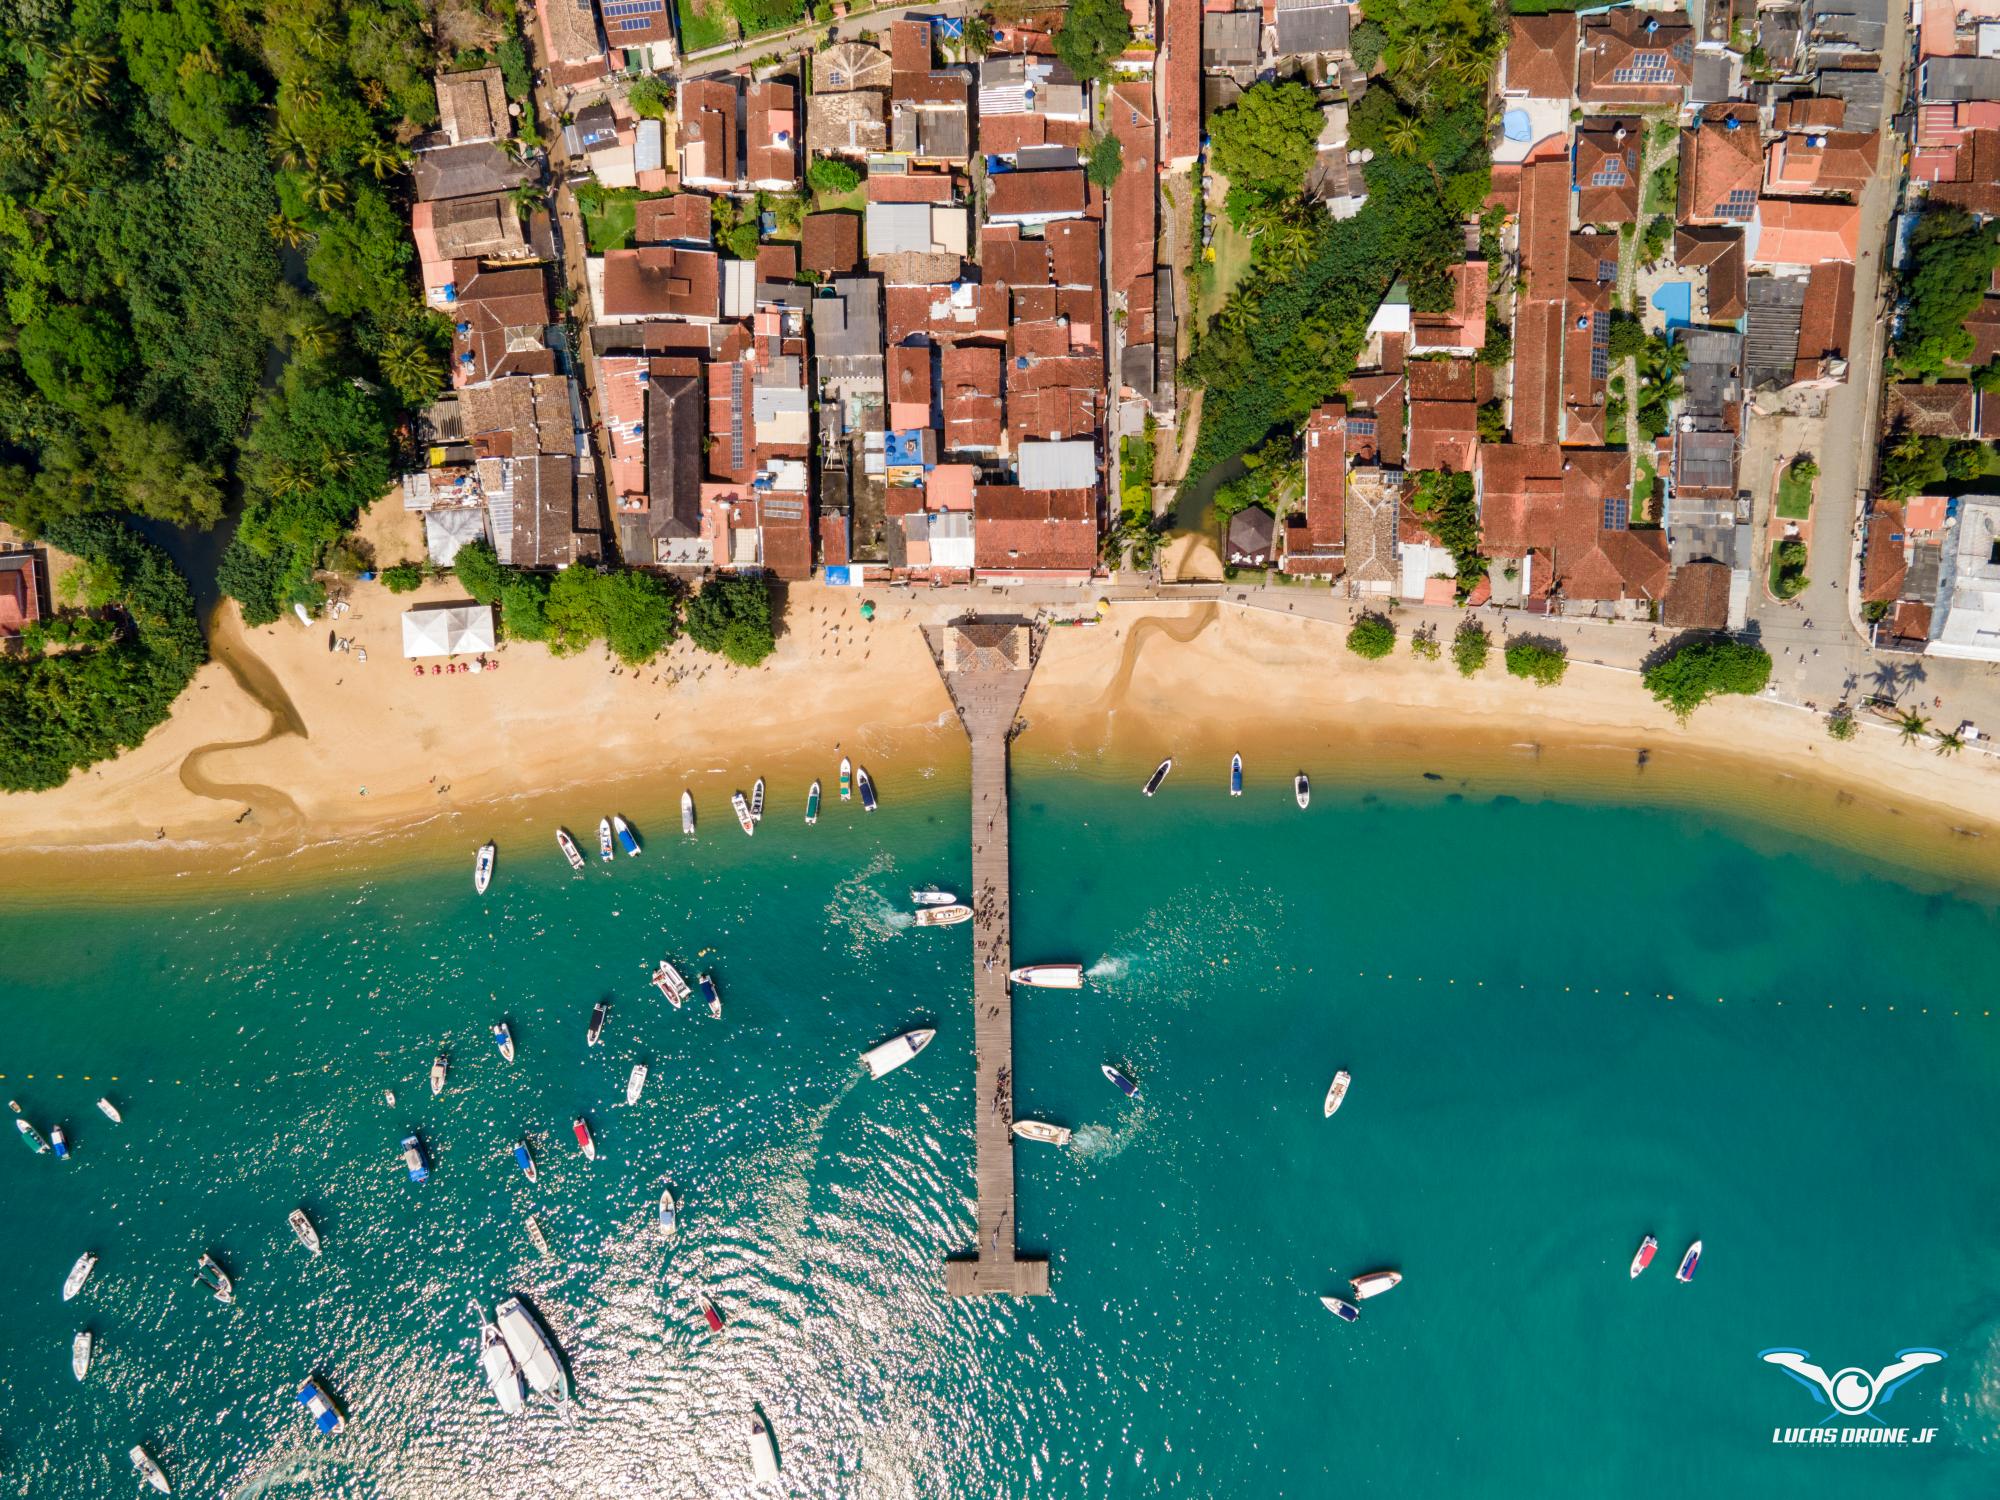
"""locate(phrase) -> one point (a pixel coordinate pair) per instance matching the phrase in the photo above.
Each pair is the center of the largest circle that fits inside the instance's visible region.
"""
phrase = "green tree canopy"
(1951, 261)
(1371, 637)
(731, 616)
(1092, 33)
(1541, 662)
(1703, 669)
(1266, 141)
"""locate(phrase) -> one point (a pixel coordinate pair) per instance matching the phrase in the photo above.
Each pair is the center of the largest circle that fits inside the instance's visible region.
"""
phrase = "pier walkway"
(986, 664)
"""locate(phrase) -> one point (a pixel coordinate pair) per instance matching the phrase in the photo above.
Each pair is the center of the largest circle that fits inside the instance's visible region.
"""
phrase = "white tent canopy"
(447, 629)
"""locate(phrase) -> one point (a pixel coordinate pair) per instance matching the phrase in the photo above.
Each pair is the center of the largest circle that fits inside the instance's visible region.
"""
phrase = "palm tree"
(286, 230)
(526, 197)
(1949, 742)
(290, 146)
(1912, 725)
(382, 157)
(316, 336)
(56, 134)
(411, 369)
(325, 192)
(1405, 137)
(75, 80)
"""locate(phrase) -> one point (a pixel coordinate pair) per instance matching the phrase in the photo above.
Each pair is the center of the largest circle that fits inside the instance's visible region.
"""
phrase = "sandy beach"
(284, 751)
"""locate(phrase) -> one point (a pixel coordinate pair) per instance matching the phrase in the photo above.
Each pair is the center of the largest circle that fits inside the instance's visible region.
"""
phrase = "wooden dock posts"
(986, 664)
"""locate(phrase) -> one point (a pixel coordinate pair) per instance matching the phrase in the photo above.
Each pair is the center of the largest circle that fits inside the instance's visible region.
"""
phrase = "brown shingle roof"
(1550, 502)
(662, 281)
(1945, 410)
(970, 375)
(1541, 55)
(1019, 531)
(1885, 556)
(831, 243)
(1026, 194)
(1719, 252)
(1826, 320)
(1635, 57)
(1607, 153)
(1722, 168)
(684, 216)
(1698, 597)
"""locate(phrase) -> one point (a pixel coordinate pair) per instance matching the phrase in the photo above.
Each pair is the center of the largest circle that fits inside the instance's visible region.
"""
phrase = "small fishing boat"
(1643, 1257)
(413, 1159)
(1336, 1093)
(1123, 1084)
(1041, 1130)
(532, 1349)
(149, 1469)
(504, 1040)
(78, 1275)
(31, 1137)
(635, 1083)
(687, 811)
(742, 807)
(1302, 790)
(763, 1452)
(932, 897)
(535, 1236)
(326, 1414)
(496, 1362)
(584, 1138)
(570, 852)
(1373, 1283)
(79, 1353)
(1048, 976)
(709, 1311)
(867, 785)
(60, 1142)
(482, 868)
(1689, 1263)
(812, 803)
(1235, 775)
(524, 1161)
(1159, 775)
(389, 1097)
(943, 916)
(711, 994)
(303, 1228)
(597, 1014)
(669, 1213)
(667, 980)
(110, 1111)
(846, 778)
(893, 1053)
(627, 840)
(217, 1280)
(604, 840)
(439, 1066)
(1341, 1308)
(757, 801)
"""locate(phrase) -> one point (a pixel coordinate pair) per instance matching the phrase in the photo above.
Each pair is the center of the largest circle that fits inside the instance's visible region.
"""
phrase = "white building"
(1966, 620)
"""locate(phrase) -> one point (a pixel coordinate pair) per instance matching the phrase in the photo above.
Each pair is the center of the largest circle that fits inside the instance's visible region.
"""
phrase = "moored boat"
(496, 1363)
(1159, 775)
(812, 802)
(892, 1054)
(757, 801)
(687, 811)
(149, 1469)
(1689, 1263)
(211, 1275)
(1302, 790)
(635, 1083)
(111, 1112)
(413, 1159)
(1120, 1081)
(1643, 1256)
(595, 1033)
(1336, 1093)
(31, 1137)
(482, 868)
(627, 840)
(318, 1401)
(1341, 1308)
(742, 809)
(570, 852)
(79, 1353)
(59, 1142)
(78, 1275)
(532, 1349)
(303, 1227)
(1041, 1130)
(669, 1212)
(846, 778)
(710, 1312)
(763, 1452)
(667, 980)
(439, 1065)
(931, 896)
(604, 840)
(943, 916)
(503, 1038)
(584, 1139)
(535, 1236)
(1373, 1283)
(1235, 775)
(1048, 976)
(867, 785)
(711, 994)
(524, 1161)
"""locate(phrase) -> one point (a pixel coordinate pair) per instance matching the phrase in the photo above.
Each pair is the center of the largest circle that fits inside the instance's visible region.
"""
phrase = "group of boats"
(56, 1142)
(1649, 1246)
(1301, 783)
(613, 834)
(667, 980)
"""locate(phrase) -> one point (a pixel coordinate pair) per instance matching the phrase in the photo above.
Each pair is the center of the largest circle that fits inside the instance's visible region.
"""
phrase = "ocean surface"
(1567, 1026)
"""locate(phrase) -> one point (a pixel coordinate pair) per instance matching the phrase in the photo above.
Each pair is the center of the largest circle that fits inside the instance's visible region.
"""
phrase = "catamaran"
(635, 1083)
(1159, 775)
(568, 846)
(667, 980)
(59, 1141)
(597, 1014)
(31, 1137)
(687, 811)
(757, 801)
(1235, 775)
(413, 1159)
(932, 897)
(627, 840)
(303, 1228)
(78, 1275)
(504, 1040)
(1689, 1262)
(496, 1362)
(584, 1138)
(846, 778)
(763, 1452)
(1048, 976)
(318, 1400)
(529, 1343)
(438, 1068)
(1119, 1081)
(709, 1311)
(1041, 1130)
(867, 785)
(1373, 1283)
(79, 1353)
(1336, 1093)
(212, 1276)
(711, 994)
(110, 1111)
(893, 1053)
(149, 1469)
(482, 868)
(1341, 1308)
(736, 800)
(942, 916)
(812, 803)
(669, 1213)
(1302, 790)
(1643, 1257)
(524, 1161)
(604, 840)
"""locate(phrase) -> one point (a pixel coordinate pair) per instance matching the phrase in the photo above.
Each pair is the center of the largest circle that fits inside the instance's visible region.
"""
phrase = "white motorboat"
(604, 840)
(757, 801)
(1041, 1130)
(110, 1111)
(79, 1353)
(742, 807)
(893, 1053)
(438, 1068)
(1341, 1308)
(669, 1213)
(1302, 790)
(503, 1038)
(812, 803)
(712, 993)
(1235, 775)
(149, 1469)
(627, 839)
(1643, 1256)
(1337, 1092)
(594, 1034)
(1048, 976)
(763, 1452)
(208, 1271)
(78, 1275)
(667, 980)
(303, 1228)
(1159, 775)
(687, 811)
(846, 778)
(1689, 1263)
(943, 916)
(586, 1142)
(932, 896)
(1120, 1080)
(1373, 1283)
(532, 1349)
(635, 1083)
(570, 852)
(482, 868)
(867, 786)
(496, 1362)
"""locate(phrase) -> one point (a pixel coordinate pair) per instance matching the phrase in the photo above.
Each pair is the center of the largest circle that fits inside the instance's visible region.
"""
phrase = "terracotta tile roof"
(1826, 320)
(1464, 327)
(911, 187)
(683, 216)
(1541, 56)
(847, 124)
(1635, 57)
(1552, 503)
(1443, 434)
(1809, 112)
(1035, 194)
(1442, 380)
(978, 310)
(1984, 326)
(1135, 195)
(570, 29)
(1073, 252)
(1314, 537)
(1698, 597)
(1722, 168)
(472, 106)
(1947, 410)
(1824, 162)
(1033, 531)
(831, 242)
(910, 46)
(910, 386)
(1586, 344)
(1885, 557)
(1545, 227)
(1178, 71)
(1538, 309)
(971, 381)
(1800, 233)
(1375, 425)
(497, 314)
(707, 130)
(1719, 252)
(1607, 153)
(1593, 257)
(1011, 260)
(1975, 181)
(771, 134)
(662, 281)
(1004, 135)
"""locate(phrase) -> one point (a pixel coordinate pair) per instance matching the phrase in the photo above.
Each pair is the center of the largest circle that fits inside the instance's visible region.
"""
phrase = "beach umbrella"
(867, 609)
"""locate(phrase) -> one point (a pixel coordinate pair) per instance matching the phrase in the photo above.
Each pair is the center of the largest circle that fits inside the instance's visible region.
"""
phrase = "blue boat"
(711, 994)
(60, 1142)
(867, 785)
(413, 1158)
(326, 1414)
(1235, 775)
(1124, 1085)
(524, 1161)
(624, 831)
(504, 1040)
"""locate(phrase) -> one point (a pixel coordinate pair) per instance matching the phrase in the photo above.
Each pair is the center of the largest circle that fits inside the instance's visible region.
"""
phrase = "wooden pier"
(986, 664)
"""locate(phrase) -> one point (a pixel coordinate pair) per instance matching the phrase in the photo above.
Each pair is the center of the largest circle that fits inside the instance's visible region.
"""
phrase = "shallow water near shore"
(1568, 1024)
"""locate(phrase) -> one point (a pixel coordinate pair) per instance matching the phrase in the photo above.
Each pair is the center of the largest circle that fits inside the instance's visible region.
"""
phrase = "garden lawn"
(702, 25)
(1795, 496)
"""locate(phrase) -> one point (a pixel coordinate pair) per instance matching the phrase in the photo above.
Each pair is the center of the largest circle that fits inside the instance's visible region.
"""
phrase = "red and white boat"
(1373, 1283)
(708, 1311)
(1648, 1247)
(583, 1137)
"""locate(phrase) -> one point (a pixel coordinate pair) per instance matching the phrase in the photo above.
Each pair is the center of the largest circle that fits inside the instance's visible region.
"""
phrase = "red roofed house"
(684, 218)
(1443, 414)
(1821, 161)
(1035, 197)
(660, 281)
(708, 110)
(1178, 75)
(971, 383)
(1608, 148)
(771, 137)
(569, 31)
(1135, 195)
(1538, 306)
(1562, 515)
(1722, 167)
(1463, 329)
(909, 386)
(1586, 362)
(1315, 537)
(1540, 61)
(1034, 536)
(20, 593)
(1826, 321)
(499, 322)
(1635, 57)
(1804, 233)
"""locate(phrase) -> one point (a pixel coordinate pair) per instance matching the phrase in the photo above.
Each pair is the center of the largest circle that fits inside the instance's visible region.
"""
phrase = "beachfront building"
(1966, 619)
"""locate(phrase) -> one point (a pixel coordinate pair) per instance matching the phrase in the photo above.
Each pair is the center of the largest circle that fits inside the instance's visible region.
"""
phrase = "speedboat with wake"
(584, 1139)
(1048, 976)
(532, 1349)
(496, 1363)
(932, 897)
(1159, 775)
(78, 1275)
(1041, 1130)
(524, 1161)
(570, 852)
(742, 809)
(438, 1068)
(1119, 1081)
(893, 1053)
(846, 778)
(867, 785)
(504, 1040)
(79, 1353)
(812, 803)
(669, 1213)
(149, 1469)
(1373, 1283)
(1341, 1308)
(211, 1275)
(635, 1082)
(1336, 1093)
(1643, 1256)
(1689, 1263)
(482, 868)
(318, 1400)
(757, 801)
(1302, 790)
(304, 1229)
(763, 1452)
(943, 916)
(687, 811)
(1235, 775)
(627, 840)
(711, 994)
(667, 980)
(604, 840)
(595, 1033)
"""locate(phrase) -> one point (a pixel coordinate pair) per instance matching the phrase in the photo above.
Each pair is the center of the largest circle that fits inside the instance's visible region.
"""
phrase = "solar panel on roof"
(1617, 513)
(616, 8)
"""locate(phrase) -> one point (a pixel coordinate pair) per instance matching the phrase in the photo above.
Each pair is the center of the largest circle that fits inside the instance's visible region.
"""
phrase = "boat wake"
(1106, 1141)
(1111, 966)
(862, 914)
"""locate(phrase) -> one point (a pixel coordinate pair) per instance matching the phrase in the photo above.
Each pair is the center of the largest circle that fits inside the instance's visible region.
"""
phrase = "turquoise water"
(1516, 1122)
